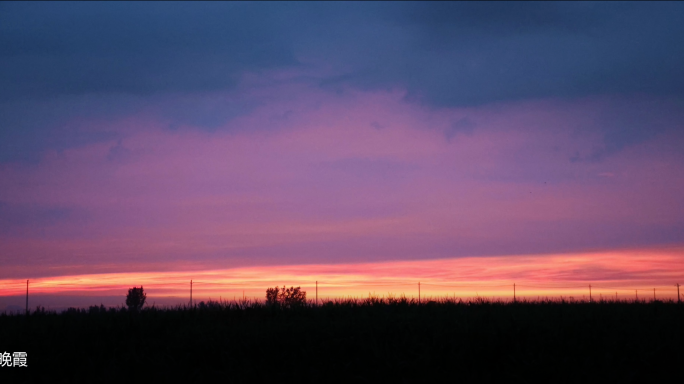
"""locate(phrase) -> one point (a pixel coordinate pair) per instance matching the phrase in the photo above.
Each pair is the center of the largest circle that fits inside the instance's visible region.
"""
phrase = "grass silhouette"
(354, 340)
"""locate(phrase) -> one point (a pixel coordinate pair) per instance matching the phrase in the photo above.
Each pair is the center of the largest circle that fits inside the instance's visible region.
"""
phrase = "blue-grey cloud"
(22, 219)
(463, 125)
(141, 48)
(56, 58)
(450, 53)
(626, 122)
(28, 127)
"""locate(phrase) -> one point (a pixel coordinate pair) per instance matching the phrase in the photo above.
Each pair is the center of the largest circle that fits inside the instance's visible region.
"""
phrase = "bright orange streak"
(539, 275)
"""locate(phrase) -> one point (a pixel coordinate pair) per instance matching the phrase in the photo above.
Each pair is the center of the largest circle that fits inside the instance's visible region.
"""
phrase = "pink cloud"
(308, 177)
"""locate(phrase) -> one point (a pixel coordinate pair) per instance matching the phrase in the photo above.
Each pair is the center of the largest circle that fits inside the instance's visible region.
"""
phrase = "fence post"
(27, 311)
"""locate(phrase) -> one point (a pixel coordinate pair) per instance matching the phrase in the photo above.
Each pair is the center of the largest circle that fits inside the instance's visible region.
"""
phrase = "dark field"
(365, 341)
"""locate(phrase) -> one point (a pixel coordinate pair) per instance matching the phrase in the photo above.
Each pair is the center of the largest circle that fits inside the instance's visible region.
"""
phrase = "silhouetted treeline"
(371, 340)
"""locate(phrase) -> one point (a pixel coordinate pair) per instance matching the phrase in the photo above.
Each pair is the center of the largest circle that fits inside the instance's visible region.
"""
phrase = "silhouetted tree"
(292, 296)
(272, 296)
(286, 297)
(135, 298)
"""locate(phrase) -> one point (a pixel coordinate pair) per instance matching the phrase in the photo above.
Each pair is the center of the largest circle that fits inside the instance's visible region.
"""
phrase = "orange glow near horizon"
(552, 276)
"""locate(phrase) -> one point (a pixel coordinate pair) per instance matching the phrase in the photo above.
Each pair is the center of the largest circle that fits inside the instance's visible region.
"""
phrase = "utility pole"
(419, 292)
(27, 312)
(590, 293)
(679, 298)
(317, 292)
(514, 292)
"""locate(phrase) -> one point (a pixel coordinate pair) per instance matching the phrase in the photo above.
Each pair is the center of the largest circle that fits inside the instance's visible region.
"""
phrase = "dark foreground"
(353, 342)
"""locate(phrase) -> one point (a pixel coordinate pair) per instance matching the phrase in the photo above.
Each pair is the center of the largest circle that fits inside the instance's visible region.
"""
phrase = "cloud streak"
(567, 275)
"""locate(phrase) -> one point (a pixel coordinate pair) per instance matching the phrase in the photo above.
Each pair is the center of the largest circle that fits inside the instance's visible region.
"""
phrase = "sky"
(295, 142)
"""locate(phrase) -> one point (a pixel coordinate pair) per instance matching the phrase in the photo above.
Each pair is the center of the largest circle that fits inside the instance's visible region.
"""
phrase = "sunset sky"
(367, 146)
